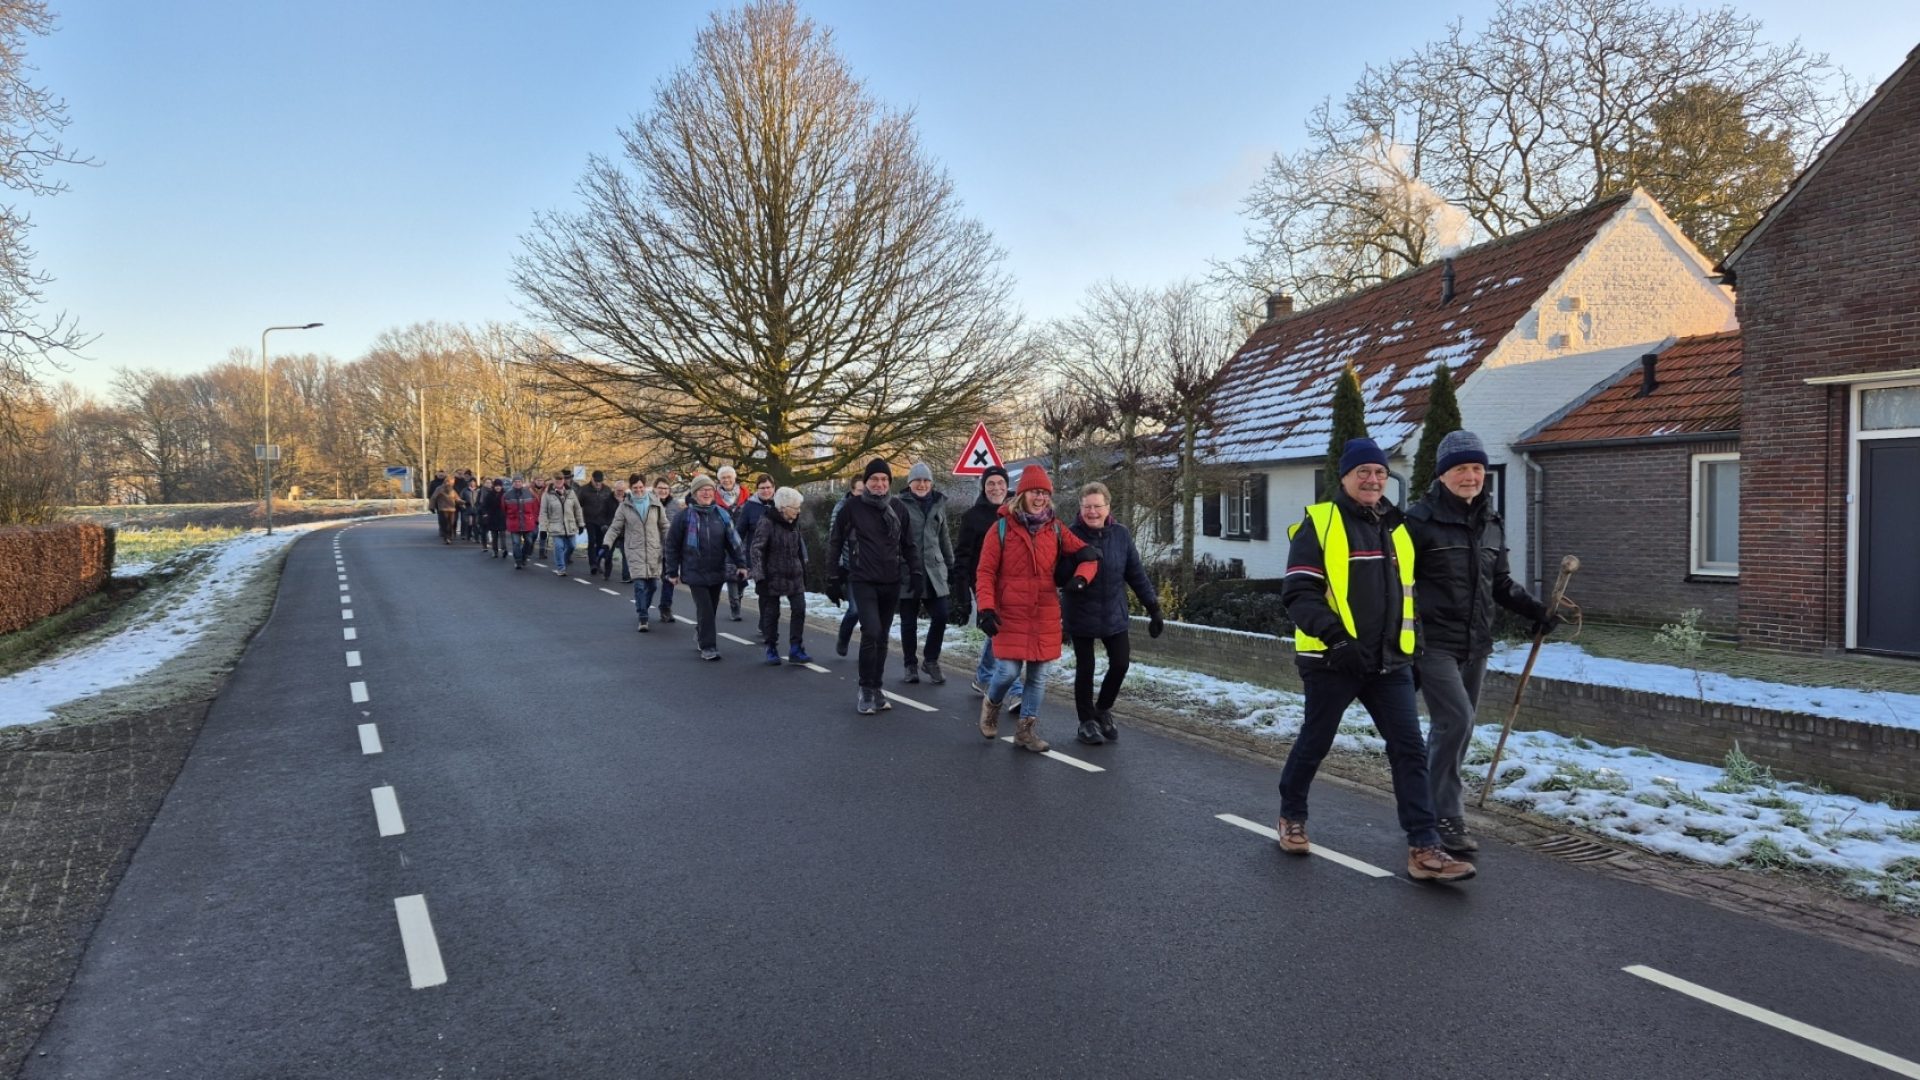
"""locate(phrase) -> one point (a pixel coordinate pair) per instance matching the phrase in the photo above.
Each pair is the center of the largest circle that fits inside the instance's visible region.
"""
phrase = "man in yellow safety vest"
(1349, 591)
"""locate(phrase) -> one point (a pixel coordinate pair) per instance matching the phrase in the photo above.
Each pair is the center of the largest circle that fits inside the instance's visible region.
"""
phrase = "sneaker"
(709, 654)
(1293, 837)
(773, 656)
(1455, 837)
(913, 673)
(798, 655)
(932, 668)
(643, 624)
(666, 616)
(734, 614)
(559, 573)
(1089, 733)
(881, 701)
(1103, 719)
(865, 706)
(1434, 864)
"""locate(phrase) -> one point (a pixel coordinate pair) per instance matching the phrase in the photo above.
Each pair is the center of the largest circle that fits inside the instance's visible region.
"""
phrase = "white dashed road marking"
(343, 587)
(736, 638)
(345, 599)
(1058, 756)
(609, 592)
(358, 690)
(684, 619)
(1896, 1065)
(416, 936)
(818, 668)
(369, 739)
(346, 613)
(1326, 853)
(348, 633)
(353, 658)
(386, 810)
(581, 581)
(342, 577)
(910, 703)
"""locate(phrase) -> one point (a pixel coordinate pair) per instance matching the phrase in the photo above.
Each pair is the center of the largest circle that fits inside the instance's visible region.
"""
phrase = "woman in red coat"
(1020, 602)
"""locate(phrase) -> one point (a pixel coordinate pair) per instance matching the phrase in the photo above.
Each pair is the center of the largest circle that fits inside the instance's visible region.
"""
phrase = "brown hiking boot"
(989, 718)
(1293, 837)
(1434, 864)
(1024, 737)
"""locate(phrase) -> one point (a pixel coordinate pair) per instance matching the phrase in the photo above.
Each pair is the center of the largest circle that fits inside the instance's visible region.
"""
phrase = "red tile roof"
(1274, 401)
(1696, 392)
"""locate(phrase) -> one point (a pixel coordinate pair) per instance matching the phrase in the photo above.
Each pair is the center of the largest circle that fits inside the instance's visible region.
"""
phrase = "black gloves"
(1087, 554)
(917, 585)
(1076, 583)
(1545, 625)
(959, 608)
(834, 594)
(1155, 624)
(989, 623)
(1344, 657)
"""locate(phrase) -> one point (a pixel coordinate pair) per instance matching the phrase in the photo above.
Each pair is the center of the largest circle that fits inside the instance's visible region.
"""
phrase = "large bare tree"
(775, 274)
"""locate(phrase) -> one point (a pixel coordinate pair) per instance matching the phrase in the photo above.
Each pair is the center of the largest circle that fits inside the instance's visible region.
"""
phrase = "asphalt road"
(638, 864)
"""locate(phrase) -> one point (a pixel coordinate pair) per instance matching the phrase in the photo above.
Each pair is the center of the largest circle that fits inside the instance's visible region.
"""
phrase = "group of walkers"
(1386, 603)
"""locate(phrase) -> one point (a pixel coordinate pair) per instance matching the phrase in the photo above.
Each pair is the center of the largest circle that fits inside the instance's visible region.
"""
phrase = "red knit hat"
(1034, 478)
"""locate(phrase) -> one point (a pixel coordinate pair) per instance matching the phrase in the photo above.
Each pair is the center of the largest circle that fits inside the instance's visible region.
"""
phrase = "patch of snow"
(133, 569)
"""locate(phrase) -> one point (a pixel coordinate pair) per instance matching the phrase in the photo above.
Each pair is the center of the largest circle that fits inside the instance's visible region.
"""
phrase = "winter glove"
(834, 594)
(989, 623)
(1344, 657)
(1545, 625)
(959, 609)
(1087, 554)
(1076, 583)
(1155, 624)
(917, 586)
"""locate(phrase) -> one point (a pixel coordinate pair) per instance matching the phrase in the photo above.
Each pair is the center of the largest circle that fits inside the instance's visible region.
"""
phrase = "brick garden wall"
(46, 568)
(1627, 513)
(1828, 289)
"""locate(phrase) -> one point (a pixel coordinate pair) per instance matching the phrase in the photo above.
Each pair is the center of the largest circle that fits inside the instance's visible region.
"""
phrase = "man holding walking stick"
(1350, 592)
(1460, 573)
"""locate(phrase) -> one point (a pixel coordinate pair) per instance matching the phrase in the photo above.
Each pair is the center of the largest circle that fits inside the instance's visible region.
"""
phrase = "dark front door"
(1890, 546)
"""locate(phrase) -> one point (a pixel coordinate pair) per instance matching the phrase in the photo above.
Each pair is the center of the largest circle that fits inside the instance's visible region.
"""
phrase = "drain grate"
(1577, 849)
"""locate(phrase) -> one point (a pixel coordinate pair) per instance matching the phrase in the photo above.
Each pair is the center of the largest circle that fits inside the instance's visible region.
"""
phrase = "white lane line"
(818, 668)
(345, 599)
(346, 613)
(343, 587)
(910, 703)
(1896, 1065)
(684, 619)
(386, 810)
(416, 936)
(342, 577)
(353, 658)
(369, 739)
(1056, 755)
(1326, 853)
(737, 638)
(609, 592)
(348, 633)
(581, 581)
(358, 690)
(539, 564)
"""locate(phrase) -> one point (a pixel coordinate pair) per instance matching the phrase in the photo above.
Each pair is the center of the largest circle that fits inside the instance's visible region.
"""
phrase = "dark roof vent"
(1647, 379)
(1279, 306)
(1446, 282)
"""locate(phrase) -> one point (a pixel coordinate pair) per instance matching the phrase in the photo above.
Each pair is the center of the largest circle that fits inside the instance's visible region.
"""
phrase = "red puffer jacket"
(523, 510)
(1015, 582)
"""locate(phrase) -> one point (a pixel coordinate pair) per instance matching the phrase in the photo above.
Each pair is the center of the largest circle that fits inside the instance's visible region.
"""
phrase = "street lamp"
(479, 407)
(268, 452)
(421, 390)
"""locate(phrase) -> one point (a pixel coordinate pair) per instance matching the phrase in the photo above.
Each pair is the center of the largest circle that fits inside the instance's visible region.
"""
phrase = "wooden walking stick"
(1568, 565)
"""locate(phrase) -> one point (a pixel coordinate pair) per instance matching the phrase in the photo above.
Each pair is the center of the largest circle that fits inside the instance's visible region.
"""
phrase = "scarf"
(641, 503)
(884, 504)
(1034, 522)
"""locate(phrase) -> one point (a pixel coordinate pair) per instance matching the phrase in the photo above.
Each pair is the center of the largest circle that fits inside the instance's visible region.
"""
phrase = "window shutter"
(1210, 513)
(1257, 514)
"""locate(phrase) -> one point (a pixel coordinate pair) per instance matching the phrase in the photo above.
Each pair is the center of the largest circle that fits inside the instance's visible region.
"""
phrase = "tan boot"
(1025, 739)
(989, 718)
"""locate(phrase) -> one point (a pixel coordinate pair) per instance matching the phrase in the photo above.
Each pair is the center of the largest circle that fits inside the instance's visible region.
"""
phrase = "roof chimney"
(1279, 306)
(1647, 379)
(1446, 281)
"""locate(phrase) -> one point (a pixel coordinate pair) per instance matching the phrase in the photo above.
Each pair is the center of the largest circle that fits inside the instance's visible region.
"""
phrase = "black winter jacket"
(881, 550)
(1100, 609)
(597, 505)
(492, 511)
(716, 555)
(1373, 589)
(1460, 571)
(779, 551)
(980, 517)
(750, 515)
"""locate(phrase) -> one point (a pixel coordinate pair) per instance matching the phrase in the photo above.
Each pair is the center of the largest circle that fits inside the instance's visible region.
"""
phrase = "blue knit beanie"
(1361, 452)
(1459, 448)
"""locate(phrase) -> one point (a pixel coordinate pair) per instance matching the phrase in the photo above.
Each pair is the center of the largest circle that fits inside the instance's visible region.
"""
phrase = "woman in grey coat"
(639, 531)
(927, 510)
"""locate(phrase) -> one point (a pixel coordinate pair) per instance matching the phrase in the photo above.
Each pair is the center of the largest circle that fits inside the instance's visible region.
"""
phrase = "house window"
(1890, 409)
(1239, 496)
(1716, 514)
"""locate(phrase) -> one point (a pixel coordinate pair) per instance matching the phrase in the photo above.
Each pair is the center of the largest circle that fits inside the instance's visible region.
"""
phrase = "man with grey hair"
(729, 496)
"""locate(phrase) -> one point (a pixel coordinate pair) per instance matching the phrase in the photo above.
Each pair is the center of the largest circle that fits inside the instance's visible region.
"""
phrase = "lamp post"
(421, 390)
(479, 407)
(267, 449)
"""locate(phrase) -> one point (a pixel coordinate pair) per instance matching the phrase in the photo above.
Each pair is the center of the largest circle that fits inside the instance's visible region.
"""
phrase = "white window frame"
(1697, 541)
(1237, 522)
(1855, 436)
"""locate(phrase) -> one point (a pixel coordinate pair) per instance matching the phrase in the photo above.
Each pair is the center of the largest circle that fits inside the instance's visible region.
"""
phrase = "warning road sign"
(979, 455)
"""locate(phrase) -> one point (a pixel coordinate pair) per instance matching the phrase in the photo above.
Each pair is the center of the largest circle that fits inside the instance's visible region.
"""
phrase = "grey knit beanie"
(1459, 448)
(919, 472)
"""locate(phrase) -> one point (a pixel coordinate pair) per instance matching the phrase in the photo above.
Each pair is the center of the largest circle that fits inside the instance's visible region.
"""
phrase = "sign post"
(266, 454)
(404, 475)
(979, 455)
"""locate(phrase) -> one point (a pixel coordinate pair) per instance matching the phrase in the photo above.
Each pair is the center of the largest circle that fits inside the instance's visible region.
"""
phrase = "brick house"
(1641, 478)
(1527, 323)
(1830, 307)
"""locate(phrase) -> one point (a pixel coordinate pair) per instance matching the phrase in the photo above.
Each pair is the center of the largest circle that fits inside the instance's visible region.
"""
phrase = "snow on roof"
(1696, 392)
(1275, 399)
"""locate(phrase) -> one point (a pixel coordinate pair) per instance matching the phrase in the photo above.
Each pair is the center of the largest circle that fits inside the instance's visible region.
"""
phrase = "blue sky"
(373, 164)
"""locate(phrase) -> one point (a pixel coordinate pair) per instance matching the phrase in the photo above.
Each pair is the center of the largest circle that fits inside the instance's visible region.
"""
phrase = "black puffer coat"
(1100, 609)
(1459, 573)
(980, 517)
(779, 552)
(597, 504)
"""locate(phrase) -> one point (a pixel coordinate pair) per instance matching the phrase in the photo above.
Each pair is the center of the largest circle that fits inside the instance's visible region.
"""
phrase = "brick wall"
(1828, 289)
(1627, 513)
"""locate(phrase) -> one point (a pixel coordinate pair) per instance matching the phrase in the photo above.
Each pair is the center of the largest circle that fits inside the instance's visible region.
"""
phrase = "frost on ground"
(1568, 662)
(178, 639)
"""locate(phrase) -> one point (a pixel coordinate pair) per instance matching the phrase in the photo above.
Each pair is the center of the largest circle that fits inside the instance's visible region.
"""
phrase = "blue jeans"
(1006, 675)
(562, 549)
(643, 593)
(983, 672)
(1388, 698)
(522, 547)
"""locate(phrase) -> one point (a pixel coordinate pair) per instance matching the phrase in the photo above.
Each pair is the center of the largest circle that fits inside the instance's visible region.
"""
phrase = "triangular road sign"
(979, 454)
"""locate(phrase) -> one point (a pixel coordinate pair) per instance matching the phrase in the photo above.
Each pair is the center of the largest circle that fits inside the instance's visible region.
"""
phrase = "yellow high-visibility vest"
(1332, 532)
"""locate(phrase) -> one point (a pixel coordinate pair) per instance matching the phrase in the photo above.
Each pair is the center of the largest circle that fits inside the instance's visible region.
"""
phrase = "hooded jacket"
(522, 508)
(928, 520)
(779, 556)
(882, 534)
(1015, 581)
(1100, 609)
(1460, 572)
(640, 526)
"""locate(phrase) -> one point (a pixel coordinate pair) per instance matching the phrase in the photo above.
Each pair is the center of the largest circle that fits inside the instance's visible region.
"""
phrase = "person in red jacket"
(522, 508)
(1019, 599)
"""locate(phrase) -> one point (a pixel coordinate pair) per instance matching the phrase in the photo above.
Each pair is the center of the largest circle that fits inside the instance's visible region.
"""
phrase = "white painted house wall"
(1638, 283)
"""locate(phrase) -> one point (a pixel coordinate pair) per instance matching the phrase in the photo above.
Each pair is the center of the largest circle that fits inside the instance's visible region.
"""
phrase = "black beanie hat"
(877, 465)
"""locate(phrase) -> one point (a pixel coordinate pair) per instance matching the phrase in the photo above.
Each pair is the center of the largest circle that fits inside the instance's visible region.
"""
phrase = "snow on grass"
(1568, 662)
(213, 576)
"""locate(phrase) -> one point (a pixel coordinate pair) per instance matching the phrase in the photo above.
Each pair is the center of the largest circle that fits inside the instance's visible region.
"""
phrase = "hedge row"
(44, 569)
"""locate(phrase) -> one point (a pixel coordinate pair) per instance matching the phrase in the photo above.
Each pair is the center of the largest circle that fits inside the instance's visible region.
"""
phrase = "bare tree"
(1196, 334)
(1111, 350)
(776, 275)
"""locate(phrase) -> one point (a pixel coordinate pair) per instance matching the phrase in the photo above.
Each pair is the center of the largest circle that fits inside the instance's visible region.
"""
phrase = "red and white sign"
(979, 455)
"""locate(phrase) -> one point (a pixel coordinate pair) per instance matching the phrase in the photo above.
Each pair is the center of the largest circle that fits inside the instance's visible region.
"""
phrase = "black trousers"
(936, 609)
(770, 618)
(877, 603)
(597, 550)
(1119, 659)
(706, 599)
